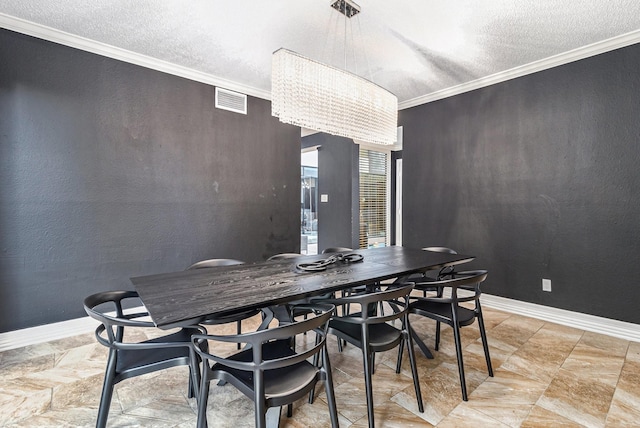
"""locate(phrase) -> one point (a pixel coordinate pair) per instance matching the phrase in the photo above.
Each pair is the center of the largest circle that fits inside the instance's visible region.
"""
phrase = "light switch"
(324, 198)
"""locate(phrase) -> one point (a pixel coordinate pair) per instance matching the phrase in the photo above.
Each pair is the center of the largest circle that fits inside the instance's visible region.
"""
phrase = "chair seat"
(166, 357)
(442, 312)
(278, 382)
(381, 336)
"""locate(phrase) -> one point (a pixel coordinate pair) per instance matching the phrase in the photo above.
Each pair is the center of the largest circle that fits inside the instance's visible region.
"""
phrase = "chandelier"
(317, 96)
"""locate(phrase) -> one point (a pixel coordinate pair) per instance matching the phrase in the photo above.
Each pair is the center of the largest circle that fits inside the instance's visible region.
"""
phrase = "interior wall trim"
(607, 326)
(61, 37)
(46, 333)
(623, 330)
(587, 51)
(51, 34)
(54, 331)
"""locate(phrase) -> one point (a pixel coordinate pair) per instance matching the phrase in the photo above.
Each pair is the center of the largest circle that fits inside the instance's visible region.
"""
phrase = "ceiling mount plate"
(346, 7)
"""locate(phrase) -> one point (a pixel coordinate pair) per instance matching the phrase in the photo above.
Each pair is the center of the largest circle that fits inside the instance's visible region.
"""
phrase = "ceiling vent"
(232, 101)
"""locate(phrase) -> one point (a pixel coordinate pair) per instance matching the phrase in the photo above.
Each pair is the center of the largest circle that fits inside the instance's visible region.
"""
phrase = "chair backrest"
(215, 263)
(468, 280)
(107, 308)
(440, 250)
(283, 256)
(398, 295)
(446, 271)
(336, 250)
(317, 321)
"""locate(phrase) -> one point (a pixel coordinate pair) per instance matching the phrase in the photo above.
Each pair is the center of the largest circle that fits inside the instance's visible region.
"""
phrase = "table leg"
(425, 350)
(266, 319)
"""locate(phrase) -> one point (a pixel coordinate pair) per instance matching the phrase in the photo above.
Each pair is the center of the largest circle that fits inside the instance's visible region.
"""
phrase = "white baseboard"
(610, 327)
(623, 330)
(46, 333)
(54, 331)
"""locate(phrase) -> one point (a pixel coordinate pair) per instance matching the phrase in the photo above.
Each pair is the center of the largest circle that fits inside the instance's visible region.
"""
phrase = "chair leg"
(259, 404)
(107, 391)
(456, 336)
(194, 374)
(414, 370)
(399, 362)
(328, 388)
(239, 330)
(439, 293)
(203, 398)
(317, 363)
(485, 344)
(368, 384)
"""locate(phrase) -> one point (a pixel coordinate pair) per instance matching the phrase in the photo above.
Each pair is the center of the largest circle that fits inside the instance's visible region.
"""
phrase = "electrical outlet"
(546, 284)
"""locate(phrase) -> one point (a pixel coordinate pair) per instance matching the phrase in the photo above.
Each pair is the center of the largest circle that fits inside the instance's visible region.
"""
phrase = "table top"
(189, 296)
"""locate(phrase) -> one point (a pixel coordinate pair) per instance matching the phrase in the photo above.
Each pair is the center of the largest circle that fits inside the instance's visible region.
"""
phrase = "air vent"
(232, 101)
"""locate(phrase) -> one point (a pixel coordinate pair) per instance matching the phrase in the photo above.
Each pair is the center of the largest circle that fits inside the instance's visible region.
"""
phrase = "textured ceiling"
(411, 47)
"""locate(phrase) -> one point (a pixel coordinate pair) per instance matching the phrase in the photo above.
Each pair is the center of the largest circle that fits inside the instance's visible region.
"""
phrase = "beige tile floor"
(546, 375)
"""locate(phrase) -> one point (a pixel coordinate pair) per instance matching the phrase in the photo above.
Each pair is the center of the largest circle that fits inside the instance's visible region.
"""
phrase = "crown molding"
(61, 37)
(533, 67)
(82, 43)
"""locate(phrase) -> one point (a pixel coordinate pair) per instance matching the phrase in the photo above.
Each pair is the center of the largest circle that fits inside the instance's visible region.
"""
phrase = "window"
(374, 198)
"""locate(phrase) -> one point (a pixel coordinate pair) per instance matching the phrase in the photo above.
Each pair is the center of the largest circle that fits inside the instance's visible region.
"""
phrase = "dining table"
(188, 297)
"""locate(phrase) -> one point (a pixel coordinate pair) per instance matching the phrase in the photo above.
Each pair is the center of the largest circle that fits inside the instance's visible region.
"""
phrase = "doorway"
(309, 201)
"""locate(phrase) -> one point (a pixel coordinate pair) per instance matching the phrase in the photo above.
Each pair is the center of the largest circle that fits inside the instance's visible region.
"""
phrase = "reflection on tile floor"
(546, 375)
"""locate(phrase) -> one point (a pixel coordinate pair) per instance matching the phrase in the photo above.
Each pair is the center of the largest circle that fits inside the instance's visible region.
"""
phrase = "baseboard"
(54, 331)
(623, 330)
(607, 326)
(46, 333)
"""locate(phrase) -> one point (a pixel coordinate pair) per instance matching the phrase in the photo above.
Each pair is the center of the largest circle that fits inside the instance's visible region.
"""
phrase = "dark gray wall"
(338, 222)
(109, 170)
(538, 177)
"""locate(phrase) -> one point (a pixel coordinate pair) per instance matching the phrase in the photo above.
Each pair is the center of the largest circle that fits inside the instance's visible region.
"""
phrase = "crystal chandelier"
(317, 96)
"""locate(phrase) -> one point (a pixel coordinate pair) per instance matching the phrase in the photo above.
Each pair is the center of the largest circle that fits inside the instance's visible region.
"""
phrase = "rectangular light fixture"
(313, 95)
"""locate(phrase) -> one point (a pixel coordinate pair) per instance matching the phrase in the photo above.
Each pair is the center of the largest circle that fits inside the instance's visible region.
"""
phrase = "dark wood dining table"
(188, 297)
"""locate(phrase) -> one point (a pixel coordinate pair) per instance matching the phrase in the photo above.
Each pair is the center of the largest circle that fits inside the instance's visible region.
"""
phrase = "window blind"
(373, 198)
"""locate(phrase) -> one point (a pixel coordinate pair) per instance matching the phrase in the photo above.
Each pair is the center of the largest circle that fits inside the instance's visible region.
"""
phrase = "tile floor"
(546, 375)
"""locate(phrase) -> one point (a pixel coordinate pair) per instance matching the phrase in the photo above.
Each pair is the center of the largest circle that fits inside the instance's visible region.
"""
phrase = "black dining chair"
(445, 271)
(128, 359)
(295, 308)
(336, 250)
(464, 287)
(423, 278)
(269, 371)
(284, 256)
(348, 291)
(216, 320)
(371, 332)
(442, 273)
